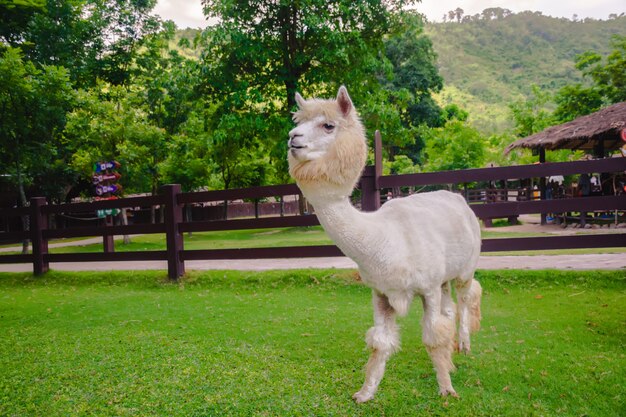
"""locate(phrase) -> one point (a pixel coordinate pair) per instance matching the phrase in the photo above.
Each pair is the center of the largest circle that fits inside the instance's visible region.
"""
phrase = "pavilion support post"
(542, 183)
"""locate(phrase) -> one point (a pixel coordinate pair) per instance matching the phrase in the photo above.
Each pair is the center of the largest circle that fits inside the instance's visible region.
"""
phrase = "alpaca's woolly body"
(411, 246)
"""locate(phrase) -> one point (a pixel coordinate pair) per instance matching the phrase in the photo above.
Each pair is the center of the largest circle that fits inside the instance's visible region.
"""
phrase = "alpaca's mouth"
(294, 150)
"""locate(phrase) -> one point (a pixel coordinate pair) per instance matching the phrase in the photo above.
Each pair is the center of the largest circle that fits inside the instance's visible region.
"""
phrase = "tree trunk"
(188, 213)
(24, 203)
(125, 223)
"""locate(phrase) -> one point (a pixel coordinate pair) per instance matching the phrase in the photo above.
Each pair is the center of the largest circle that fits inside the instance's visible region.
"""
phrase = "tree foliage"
(33, 105)
(261, 53)
(608, 83)
(454, 146)
(108, 125)
(404, 100)
(87, 80)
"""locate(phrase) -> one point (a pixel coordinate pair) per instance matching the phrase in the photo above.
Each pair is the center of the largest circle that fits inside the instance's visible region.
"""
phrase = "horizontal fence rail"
(105, 204)
(171, 201)
(615, 240)
(504, 173)
(264, 253)
(242, 224)
(581, 204)
(239, 193)
(131, 229)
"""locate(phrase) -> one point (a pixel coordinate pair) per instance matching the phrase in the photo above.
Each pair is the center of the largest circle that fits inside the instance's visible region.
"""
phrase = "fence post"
(370, 189)
(173, 237)
(38, 221)
(108, 243)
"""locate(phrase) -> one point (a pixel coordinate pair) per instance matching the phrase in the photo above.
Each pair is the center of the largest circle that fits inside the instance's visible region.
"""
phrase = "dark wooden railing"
(171, 200)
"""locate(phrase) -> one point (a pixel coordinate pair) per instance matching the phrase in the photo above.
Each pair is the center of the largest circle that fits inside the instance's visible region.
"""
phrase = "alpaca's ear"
(299, 100)
(344, 101)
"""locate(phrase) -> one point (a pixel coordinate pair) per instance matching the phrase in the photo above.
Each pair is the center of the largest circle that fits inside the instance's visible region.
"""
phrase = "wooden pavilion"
(598, 133)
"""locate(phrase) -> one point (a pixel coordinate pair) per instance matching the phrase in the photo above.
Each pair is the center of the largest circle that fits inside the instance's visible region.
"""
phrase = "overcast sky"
(188, 13)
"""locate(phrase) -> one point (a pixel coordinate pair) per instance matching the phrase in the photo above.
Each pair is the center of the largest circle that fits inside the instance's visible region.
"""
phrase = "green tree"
(608, 75)
(261, 53)
(405, 100)
(532, 115)
(91, 38)
(64, 34)
(276, 44)
(124, 25)
(241, 160)
(15, 15)
(576, 100)
(608, 83)
(169, 81)
(33, 105)
(107, 125)
(187, 161)
(454, 146)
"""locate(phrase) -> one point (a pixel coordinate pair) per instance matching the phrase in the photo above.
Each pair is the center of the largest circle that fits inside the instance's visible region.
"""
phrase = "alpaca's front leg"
(384, 340)
(438, 337)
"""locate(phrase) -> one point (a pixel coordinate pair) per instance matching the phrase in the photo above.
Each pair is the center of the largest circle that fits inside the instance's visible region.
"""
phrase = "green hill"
(488, 63)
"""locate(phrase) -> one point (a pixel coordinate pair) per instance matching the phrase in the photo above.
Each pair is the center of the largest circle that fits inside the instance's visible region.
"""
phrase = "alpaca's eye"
(328, 127)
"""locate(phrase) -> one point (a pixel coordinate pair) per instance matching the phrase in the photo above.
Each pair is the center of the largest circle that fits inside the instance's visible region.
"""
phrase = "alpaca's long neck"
(349, 228)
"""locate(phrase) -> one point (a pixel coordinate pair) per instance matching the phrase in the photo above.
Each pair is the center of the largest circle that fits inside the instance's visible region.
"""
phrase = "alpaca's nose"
(294, 134)
(292, 139)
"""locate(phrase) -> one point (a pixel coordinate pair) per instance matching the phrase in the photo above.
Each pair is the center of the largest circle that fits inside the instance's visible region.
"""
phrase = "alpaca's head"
(327, 147)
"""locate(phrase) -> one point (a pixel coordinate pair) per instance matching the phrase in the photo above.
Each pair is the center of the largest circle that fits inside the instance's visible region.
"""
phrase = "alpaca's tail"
(475, 294)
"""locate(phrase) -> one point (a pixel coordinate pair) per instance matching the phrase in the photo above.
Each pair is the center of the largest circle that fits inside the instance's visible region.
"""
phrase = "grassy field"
(291, 343)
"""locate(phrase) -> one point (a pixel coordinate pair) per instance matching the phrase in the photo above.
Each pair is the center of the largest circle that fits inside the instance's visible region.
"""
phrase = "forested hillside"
(490, 60)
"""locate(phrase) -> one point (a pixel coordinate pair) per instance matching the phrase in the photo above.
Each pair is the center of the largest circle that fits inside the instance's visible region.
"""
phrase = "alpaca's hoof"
(464, 347)
(444, 392)
(362, 396)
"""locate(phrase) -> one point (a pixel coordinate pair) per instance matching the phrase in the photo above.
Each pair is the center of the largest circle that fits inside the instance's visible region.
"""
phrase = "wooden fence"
(172, 201)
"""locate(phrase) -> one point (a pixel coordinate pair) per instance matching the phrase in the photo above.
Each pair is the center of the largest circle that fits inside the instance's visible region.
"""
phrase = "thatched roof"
(581, 133)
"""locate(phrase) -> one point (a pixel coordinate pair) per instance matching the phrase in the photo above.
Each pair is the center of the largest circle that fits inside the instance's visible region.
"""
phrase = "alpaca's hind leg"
(469, 293)
(438, 337)
(448, 308)
(384, 340)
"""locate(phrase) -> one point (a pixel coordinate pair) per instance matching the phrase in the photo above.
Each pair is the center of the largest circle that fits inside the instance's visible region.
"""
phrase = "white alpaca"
(413, 245)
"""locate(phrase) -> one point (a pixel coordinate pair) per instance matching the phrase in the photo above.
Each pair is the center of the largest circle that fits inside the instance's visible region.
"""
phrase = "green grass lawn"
(290, 343)
(252, 238)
